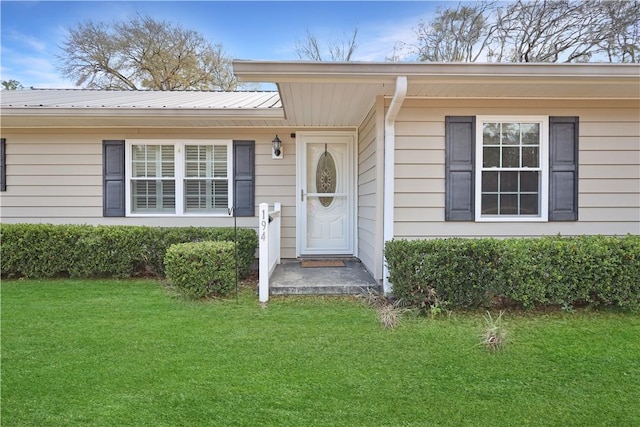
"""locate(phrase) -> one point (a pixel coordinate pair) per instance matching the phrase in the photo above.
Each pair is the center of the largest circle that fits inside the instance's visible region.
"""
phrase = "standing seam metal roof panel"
(78, 98)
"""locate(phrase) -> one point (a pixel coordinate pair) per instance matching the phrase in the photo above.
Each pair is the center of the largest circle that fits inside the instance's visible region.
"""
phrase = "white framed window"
(178, 177)
(512, 168)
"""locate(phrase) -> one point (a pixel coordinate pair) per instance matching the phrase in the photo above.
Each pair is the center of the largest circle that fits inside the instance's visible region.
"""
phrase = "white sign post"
(263, 235)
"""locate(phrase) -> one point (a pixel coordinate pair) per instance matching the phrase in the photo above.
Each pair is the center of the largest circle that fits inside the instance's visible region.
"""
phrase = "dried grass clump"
(390, 316)
(494, 336)
(389, 311)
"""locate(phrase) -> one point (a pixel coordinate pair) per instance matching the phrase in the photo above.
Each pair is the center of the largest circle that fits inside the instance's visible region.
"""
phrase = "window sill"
(511, 219)
(194, 215)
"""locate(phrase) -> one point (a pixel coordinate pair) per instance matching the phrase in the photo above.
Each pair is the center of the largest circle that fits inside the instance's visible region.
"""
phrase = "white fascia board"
(309, 71)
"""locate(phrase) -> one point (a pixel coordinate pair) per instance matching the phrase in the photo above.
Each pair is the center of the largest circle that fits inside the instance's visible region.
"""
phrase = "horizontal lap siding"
(276, 182)
(55, 176)
(51, 178)
(609, 186)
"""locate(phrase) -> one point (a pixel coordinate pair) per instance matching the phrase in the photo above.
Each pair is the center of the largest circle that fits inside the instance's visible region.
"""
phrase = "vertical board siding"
(244, 153)
(3, 164)
(609, 162)
(114, 178)
(367, 194)
(563, 168)
(460, 168)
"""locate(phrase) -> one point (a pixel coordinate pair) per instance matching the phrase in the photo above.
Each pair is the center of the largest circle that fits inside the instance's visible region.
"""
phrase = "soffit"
(328, 104)
(324, 94)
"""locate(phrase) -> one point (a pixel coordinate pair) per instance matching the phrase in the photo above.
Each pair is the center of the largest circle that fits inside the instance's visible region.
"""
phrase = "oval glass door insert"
(326, 177)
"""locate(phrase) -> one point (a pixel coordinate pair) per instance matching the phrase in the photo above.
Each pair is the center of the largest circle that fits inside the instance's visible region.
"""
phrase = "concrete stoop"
(324, 290)
(290, 278)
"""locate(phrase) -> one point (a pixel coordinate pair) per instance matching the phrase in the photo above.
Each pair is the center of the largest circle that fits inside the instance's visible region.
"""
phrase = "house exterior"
(370, 152)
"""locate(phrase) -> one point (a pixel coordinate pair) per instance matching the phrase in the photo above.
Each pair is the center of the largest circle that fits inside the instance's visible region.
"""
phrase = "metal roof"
(316, 94)
(82, 108)
(80, 98)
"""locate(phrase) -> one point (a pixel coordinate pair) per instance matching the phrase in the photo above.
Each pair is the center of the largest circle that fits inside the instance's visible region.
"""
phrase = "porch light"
(277, 148)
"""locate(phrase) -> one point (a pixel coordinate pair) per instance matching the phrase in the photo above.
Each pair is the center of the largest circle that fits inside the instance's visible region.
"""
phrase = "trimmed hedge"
(201, 269)
(527, 272)
(46, 250)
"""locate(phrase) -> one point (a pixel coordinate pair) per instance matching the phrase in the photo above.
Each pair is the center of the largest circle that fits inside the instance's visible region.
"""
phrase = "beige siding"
(55, 176)
(609, 168)
(369, 180)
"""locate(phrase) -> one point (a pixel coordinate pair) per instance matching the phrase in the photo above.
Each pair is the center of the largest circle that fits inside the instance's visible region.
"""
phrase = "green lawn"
(127, 353)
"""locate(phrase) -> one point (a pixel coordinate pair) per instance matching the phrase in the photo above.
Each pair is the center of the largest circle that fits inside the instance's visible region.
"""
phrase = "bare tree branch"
(143, 53)
(533, 31)
(310, 48)
(456, 35)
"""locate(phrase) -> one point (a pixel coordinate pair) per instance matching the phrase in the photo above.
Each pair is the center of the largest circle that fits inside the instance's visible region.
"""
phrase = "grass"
(120, 353)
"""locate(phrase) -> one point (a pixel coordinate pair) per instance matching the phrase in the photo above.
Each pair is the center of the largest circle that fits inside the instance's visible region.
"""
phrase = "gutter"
(311, 71)
(235, 113)
(389, 168)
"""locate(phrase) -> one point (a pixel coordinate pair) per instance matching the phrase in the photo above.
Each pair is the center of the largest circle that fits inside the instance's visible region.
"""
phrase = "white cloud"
(377, 42)
(32, 71)
(30, 60)
(31, 43)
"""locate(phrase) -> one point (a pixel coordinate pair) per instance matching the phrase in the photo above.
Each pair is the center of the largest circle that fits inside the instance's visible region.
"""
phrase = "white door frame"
(302, 139)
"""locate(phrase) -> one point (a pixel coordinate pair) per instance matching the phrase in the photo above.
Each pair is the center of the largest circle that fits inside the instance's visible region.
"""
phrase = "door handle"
(302, 195)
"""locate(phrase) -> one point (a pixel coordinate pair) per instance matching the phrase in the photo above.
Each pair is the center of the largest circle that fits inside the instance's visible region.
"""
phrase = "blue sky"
(31, 31)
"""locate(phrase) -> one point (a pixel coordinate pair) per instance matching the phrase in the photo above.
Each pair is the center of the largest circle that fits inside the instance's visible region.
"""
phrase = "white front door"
(325, 194)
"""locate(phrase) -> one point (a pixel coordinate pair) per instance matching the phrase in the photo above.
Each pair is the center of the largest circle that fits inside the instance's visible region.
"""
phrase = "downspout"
(389, 167)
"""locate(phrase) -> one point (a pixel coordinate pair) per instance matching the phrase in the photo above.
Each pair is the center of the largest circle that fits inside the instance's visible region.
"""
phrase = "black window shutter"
(113, 179)
(460, 136)
(244, 178)
(3, 164)
(563, 168)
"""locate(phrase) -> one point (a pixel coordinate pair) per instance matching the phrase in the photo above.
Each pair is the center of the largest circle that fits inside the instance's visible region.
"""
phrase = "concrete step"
(324, 290)
(290, 278)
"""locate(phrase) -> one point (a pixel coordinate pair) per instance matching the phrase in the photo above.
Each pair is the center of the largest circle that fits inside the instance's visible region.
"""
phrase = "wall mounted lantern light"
(277, 148)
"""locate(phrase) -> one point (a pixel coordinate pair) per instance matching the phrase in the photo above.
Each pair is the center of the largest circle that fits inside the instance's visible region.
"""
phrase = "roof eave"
(308, 71)
(231, 114)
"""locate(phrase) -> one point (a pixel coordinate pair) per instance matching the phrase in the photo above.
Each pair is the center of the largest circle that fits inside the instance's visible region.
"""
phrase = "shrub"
(247, 242)
(113, 251)
(37, 250)
(451, 272)
(528, 272)
(201, 269)
(45, 250)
